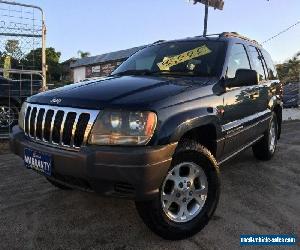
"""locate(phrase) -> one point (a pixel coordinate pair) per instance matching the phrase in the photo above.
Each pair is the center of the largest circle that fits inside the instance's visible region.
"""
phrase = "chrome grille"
(59, 126)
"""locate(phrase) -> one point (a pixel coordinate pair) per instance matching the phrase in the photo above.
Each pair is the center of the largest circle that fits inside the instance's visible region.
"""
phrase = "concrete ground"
(257, 198)
(291, 114)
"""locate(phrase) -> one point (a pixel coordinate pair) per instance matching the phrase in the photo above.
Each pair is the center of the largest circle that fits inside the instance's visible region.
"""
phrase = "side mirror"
(243, 77)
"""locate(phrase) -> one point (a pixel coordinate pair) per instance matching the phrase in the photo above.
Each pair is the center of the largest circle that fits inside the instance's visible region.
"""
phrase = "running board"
(240, 150)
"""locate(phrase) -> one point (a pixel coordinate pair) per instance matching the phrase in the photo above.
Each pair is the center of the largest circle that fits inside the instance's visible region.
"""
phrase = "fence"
(22, 59)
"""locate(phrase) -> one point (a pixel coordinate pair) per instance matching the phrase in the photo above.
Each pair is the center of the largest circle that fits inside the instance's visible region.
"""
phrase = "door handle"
(252, 95)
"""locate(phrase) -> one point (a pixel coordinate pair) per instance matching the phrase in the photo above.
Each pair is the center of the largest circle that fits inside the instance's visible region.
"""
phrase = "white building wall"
(79, 74)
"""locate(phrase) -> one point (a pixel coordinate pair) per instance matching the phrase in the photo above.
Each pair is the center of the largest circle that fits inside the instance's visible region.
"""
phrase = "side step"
(240, 150)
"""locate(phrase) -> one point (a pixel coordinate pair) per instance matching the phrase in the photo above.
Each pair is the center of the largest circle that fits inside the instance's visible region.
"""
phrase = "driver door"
(239, 103)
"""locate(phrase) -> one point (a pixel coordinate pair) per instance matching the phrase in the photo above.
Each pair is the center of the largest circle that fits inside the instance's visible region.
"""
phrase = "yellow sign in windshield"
(169, 62)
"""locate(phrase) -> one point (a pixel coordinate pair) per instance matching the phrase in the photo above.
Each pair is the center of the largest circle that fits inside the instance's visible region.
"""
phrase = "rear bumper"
(128, 172)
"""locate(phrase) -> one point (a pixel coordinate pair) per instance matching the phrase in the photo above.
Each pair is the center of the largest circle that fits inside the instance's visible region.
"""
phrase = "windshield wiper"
(158, 72)
(134, 72)
(174, 73)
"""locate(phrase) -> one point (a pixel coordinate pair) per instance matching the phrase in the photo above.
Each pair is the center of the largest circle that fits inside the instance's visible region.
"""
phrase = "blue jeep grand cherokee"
(157, 129)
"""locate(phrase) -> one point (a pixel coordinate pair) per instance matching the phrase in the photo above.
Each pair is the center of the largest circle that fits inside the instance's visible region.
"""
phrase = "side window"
(272, 73)
(258, 62)
(238, 59)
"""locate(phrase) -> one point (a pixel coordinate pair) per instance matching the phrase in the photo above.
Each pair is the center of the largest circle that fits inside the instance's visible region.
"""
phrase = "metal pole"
(44, 65)
(299, 90)
(21, 4)
(205, 18)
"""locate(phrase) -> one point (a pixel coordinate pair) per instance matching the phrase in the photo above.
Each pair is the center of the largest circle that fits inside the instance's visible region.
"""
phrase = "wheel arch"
(278, 111)
(205, 134)
(276, 106)
(204, 129)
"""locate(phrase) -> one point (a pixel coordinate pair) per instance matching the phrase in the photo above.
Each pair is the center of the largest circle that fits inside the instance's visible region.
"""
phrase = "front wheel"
(265, 148)
(188, 196)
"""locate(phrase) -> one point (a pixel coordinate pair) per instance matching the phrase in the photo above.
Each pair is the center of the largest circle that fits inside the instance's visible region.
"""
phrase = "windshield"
(195, 58)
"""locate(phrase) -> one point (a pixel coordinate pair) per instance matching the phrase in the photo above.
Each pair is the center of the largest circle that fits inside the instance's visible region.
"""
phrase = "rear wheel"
(265, 148)
(188, 196)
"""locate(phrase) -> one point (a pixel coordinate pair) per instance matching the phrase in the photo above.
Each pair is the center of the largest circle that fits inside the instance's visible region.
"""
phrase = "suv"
(12, 94)
(158, 128)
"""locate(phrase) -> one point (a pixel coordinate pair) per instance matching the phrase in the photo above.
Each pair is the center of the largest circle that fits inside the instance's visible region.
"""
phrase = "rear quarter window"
(258, 63)
(271, 69)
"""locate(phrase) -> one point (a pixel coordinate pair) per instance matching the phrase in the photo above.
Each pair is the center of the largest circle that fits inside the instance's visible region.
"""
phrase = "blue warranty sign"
(38, 161)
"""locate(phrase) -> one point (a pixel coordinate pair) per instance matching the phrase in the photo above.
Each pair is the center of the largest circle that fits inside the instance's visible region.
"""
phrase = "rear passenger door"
(258, 64)
(272, 78)
(262, 91)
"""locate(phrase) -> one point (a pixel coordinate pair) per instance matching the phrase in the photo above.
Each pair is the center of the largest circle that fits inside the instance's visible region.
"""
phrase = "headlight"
(22, 115)
(123, 128)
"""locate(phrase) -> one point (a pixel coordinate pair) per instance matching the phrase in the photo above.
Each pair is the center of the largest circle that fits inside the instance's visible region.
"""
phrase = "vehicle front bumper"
(127, 172)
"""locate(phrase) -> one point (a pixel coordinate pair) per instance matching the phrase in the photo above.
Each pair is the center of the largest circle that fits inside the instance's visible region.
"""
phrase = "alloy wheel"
(184, 192)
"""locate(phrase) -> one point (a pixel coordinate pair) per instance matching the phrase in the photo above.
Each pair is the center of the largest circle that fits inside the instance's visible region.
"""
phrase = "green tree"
(33, 60)
(12, 48)
(83, 54)
(289, 71)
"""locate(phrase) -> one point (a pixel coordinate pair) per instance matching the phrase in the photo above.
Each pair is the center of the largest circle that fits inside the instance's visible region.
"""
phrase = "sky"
(101, 26)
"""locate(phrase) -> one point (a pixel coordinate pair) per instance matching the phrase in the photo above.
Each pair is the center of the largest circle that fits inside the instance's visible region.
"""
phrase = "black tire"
(6, 125)
(59, 185)
(152, 212)
(262, 150)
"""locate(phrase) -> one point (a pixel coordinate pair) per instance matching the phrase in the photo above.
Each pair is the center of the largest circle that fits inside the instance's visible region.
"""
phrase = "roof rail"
(159, 41)
(208, 35)
(237, 35)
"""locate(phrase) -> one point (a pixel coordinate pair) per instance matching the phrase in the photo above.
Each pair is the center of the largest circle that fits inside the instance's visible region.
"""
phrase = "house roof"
(108, 57)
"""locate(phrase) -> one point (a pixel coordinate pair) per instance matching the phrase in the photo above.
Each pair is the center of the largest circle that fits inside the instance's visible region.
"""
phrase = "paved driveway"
(257, 197)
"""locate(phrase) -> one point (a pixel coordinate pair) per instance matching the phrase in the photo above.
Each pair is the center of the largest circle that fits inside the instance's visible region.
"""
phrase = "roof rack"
(231, 34)
(237, 35)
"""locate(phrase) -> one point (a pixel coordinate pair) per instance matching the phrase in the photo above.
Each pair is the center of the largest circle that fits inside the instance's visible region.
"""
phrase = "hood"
(118, 92)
